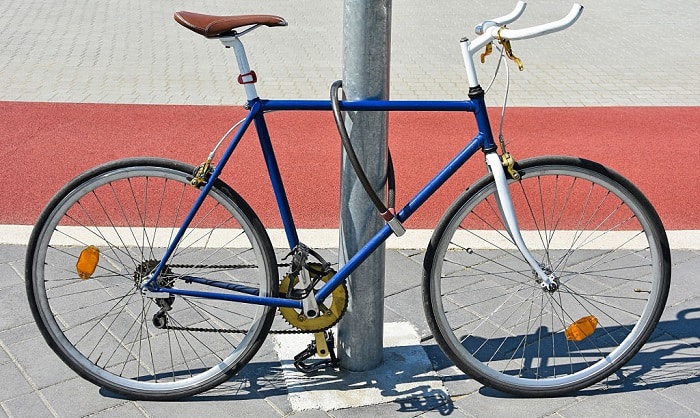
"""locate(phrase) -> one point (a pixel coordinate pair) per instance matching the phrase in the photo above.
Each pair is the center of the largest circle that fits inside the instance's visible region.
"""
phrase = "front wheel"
(593, 232)
(97, 242)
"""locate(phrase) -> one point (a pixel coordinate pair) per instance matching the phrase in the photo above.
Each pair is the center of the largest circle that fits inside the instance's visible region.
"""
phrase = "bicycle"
(156, 280)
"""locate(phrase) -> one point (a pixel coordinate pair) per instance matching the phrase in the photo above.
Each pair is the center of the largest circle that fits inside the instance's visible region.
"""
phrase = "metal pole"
(366, 46)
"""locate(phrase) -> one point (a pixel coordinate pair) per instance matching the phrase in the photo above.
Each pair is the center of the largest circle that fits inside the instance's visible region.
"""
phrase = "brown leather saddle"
(219, 26)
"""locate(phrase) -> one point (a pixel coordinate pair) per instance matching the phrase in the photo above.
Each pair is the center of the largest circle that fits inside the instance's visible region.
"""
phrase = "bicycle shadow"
(405, 378)
(409, 388)
(670, 357)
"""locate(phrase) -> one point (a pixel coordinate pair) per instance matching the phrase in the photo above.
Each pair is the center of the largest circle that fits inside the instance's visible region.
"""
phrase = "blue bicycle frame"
(483, 140)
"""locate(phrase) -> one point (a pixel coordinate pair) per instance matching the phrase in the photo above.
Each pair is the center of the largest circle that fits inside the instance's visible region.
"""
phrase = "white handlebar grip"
(503, 20)
(540, 30)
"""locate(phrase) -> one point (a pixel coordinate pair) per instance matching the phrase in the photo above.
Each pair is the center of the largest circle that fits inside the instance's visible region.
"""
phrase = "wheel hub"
(554, 285)
(143, 270)
(165, 279)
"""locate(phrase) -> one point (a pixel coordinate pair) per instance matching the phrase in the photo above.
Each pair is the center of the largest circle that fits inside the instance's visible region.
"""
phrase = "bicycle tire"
(103, 327)
(593, 230)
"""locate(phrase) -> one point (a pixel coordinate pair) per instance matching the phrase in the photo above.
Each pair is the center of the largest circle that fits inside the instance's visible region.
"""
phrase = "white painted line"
(15, 234)
(413, 239)
(406, 374)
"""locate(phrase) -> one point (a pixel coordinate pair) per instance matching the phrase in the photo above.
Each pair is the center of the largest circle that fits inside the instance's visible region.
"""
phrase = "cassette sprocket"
(331, 310)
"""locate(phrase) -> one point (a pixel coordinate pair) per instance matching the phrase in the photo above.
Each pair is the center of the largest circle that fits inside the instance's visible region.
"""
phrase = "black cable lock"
(388, 214)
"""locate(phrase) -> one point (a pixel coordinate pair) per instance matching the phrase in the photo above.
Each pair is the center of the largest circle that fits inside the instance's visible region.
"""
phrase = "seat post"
(246, 77)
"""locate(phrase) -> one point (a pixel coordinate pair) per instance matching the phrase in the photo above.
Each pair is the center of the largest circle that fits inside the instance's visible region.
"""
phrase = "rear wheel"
(587, 226)
(124, 214)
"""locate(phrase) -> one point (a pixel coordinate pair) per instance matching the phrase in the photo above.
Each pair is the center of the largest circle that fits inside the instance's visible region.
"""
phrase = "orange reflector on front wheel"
(581, 329)
(87, 262)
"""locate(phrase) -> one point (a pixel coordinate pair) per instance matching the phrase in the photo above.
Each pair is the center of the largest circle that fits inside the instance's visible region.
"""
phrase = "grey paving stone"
(13, 382)
(458, 384)
(667, 366)
(409, 305)
(77, 397)
(20, 333)
(126, 410)
(13, 253)
(645, 403)
(661, 363)
(489, 403)
(682, 256)
(14, 309)
(686, 395)
(673, 352)
(402, 273)
(29, 405)
(42, 366)
(683, 280)
(9, 275)
(215, 406)
(4, 357)
(393, 409)
(259, 379)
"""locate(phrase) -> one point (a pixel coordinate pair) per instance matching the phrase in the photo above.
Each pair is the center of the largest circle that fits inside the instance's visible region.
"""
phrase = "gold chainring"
(329, 315)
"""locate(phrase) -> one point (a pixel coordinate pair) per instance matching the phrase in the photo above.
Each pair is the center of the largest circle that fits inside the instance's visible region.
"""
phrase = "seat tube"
(246, 76)
(276, 180)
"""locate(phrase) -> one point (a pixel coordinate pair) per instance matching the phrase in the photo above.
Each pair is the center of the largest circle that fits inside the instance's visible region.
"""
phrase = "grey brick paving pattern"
(662, 380)
(619, 53)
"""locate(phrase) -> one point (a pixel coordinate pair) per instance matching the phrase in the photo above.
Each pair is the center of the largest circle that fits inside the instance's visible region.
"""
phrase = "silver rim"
(103, 324)
(494, 315)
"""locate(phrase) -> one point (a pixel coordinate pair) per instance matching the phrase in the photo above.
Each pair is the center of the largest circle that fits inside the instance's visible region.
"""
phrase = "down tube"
(417, 201)
(442, 176)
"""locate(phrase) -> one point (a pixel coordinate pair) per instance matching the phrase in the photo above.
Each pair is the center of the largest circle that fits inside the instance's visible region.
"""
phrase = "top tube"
(370, 105)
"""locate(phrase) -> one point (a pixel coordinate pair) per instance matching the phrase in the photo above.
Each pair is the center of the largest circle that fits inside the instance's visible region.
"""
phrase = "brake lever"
(509, 50)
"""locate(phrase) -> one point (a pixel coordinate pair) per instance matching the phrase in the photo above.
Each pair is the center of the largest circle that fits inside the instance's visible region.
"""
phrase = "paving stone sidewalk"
(662, 380)
(631, 53)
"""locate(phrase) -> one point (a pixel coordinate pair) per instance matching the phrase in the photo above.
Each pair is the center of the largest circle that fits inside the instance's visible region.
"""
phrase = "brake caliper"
(201, 174)
(509, 164)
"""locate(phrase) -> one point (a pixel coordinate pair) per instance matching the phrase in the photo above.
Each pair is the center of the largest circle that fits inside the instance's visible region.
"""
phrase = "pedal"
(324, 342)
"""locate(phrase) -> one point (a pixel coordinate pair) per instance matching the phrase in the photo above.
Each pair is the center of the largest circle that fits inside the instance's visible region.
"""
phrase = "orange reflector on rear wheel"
(87, 262)
(581, 329)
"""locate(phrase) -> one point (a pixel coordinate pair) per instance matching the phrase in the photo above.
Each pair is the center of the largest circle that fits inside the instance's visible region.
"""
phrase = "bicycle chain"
(220, 266)
(236, 331)
(224, 330)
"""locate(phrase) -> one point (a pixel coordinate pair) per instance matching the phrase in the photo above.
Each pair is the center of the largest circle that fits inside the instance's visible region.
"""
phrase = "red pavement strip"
(46, 144)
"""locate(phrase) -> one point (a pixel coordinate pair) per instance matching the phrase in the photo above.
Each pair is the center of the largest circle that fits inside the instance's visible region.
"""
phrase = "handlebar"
(503, 20)
(493, 29)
